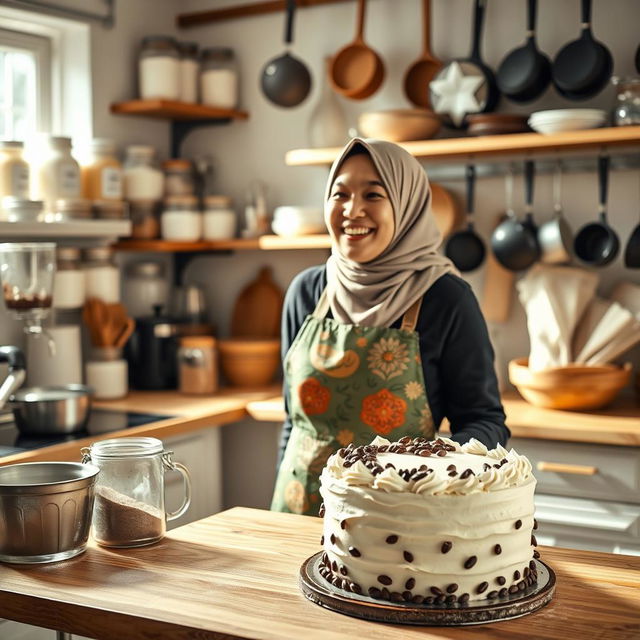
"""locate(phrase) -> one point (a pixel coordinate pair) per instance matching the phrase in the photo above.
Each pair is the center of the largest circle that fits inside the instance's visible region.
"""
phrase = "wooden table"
(235, 575)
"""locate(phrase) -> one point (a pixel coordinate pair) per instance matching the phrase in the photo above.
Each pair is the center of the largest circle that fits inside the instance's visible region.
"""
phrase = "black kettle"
(152, 352)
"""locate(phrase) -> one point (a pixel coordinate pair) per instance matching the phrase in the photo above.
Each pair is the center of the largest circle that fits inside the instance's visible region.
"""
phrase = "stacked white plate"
(556, 120)
(298, 221)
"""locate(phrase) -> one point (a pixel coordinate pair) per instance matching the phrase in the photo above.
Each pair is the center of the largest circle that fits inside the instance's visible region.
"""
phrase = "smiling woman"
(385, 338)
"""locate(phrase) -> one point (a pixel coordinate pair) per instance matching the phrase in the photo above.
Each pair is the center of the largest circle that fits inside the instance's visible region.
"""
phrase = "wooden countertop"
(235, 575)
(619, 424)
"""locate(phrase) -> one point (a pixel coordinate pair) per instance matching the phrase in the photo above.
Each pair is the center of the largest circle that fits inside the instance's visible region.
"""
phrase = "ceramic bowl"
(291, 221)
(399, 125)
(248, 362)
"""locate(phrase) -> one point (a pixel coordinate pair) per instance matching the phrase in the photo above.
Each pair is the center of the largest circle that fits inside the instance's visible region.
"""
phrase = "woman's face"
(359, 214)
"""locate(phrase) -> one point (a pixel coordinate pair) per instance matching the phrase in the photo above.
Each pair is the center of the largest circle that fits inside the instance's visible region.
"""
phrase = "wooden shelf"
(517, 144)
(174, 110)
(262, 243)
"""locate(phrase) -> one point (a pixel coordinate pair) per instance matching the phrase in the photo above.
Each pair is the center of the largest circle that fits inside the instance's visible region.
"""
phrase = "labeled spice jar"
(179, 178)
(143, 178)
(159, 68)
(14, 171)
(102, 175)
(181, 220)
(56, 173)
(219, 219)
(129, 508)
(198, 365)
(102, 276)
(189, 66)
(219, 78)
(145, 218)
(69, 279)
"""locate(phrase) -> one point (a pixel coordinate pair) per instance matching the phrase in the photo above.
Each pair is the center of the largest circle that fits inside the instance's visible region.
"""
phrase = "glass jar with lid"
(626, 108)
(129, 508)
(102, 175)
(20, 210)
(109, 210)
(179, 178)
(69, 279)
(181, 219)
(143, 178)
(145, 287)
(219, 219)
(159, 68)
(145, 218)
(14, 171)
(219, 78)
(197, 365)
(189, 65)
(56, 172)
(70, 209)
(102, 276)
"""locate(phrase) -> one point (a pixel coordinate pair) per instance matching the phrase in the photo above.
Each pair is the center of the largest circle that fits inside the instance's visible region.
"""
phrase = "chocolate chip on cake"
(410, 583)
(446, 546)
(452, 588)
(344, 571)
(482, 587)
(440, 599)
(492, 595)
(385, 594)
(343, 524)
(356, 588)
(513, 589)
(392, 539)
(518, 524)
(354, 552)
(429, 600)
(536, 553)
(503, 592)
(516, 575)
(374, 592)
(451, 599)
(408, 556)
(497, 549)
(535, 524)
(436, 591)
(424, 453)
(321, 510)
(334, 565)
(464, 598)
(534, 542)
(452, 473)
(386, 580)
(396, 597)
(333, 538)
(501, 580)
(441, 453)
(417, 599)
(321, 540)
(466, 473)
(451, 467)
(470, 561)
(389, 466)
(407, 595)
(532, 564)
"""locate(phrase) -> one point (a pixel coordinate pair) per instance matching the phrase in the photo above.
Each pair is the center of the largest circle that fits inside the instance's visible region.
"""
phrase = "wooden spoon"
(422, 71)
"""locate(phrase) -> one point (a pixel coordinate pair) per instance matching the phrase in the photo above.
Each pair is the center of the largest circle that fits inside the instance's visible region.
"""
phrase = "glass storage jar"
(179, 178)
(14, 171)
(219, 78)
(145, 218)
(189, 65)
(145, 287)
(71, 209)
(69, 279)
(19, 210)
(102, 175)
(143, 178)
(129, 509)
(159, 68)
(181, 220)
(626, 109)
(219, 219)
(109, 210)
(102, 276)
(56, 173)
(197, 365)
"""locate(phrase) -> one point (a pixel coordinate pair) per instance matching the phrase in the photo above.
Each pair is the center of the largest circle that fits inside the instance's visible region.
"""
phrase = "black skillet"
(285, 80)
(487, 94)
(465, 248)
(582, 68)
(525, 72)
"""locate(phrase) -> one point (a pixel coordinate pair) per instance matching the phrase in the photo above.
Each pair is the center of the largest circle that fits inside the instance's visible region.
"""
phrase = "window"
(25, 85)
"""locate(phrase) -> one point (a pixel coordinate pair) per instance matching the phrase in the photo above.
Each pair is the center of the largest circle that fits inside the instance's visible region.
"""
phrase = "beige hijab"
(377, 293)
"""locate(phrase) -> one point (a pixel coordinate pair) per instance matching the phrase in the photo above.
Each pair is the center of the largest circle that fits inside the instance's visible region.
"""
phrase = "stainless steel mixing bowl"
(47, 410)
(45, 510)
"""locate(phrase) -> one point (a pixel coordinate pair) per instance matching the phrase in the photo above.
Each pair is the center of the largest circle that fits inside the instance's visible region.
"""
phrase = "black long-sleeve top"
(457, 356)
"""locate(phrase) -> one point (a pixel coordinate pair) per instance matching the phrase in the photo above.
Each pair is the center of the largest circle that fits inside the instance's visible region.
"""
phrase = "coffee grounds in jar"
(121, 521)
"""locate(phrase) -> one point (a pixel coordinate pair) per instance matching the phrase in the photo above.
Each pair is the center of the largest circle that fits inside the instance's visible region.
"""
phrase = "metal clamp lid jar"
(129, 507)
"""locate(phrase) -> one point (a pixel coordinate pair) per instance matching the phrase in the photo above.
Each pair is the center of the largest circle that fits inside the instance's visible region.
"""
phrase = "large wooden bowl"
(399, 125)
(247, 362)
(575, 386)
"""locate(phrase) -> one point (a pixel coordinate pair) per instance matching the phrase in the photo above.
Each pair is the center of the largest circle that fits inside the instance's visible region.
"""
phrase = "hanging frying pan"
(525, 72)
(465, 86)
(423, 70)
(582, 68)
(632, 251)
(285, 80)
(465, 248)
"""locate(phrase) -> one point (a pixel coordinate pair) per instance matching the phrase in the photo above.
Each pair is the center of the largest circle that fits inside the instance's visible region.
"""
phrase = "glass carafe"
(626, 108)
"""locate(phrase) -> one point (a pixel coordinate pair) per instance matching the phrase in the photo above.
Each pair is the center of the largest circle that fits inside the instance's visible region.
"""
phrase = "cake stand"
(323, 593)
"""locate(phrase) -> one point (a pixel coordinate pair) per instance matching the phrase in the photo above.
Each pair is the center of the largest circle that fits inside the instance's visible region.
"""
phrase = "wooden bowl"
(575, 386)
(399, 125)
(247, 362)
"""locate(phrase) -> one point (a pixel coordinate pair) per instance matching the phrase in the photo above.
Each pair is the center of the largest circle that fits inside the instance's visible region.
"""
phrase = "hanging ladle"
(285, 80)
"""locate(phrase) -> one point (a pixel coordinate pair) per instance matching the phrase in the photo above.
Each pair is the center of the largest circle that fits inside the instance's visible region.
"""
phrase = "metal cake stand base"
(318, 590)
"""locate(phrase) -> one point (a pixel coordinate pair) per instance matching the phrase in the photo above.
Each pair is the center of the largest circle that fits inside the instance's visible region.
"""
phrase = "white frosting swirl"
(475, 447)
(390, 480)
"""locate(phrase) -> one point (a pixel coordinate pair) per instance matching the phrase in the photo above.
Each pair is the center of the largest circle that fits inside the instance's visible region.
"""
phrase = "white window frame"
(70, 106)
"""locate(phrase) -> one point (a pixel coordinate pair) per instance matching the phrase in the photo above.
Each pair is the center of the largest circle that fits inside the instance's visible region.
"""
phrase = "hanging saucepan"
(357, 71)
(480, 93)
(582, 68)
(423, 70)
(285, 80)
(525, 72)
(597, 243)
(554, 236)
(632, 251)
(514, 242)
(465, 248)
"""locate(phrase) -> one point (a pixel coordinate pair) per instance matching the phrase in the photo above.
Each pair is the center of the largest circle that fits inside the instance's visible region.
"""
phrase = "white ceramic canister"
(189, 68)
(180, 219)
(143, 178)
(219, 218)
(219, 78)
(14, 171)
(69, 279)
(102, 276)
(159, 68)
(63, 365)
(108, 378)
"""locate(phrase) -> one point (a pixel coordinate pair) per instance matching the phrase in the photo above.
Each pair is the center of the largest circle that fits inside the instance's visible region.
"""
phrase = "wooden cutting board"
(445, 209)
(258, 309)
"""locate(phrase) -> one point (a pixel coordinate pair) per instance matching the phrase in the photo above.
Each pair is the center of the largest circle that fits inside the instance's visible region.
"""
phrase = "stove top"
(100, 421)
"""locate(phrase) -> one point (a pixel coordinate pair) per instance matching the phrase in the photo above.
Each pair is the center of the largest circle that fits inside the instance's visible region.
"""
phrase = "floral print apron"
(347, 384)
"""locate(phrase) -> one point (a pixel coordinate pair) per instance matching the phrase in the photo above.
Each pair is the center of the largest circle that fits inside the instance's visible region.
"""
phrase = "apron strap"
(322, 308)
(410, 318)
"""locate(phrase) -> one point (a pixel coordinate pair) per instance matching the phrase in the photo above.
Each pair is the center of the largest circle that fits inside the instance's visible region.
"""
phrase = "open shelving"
(267, 242)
